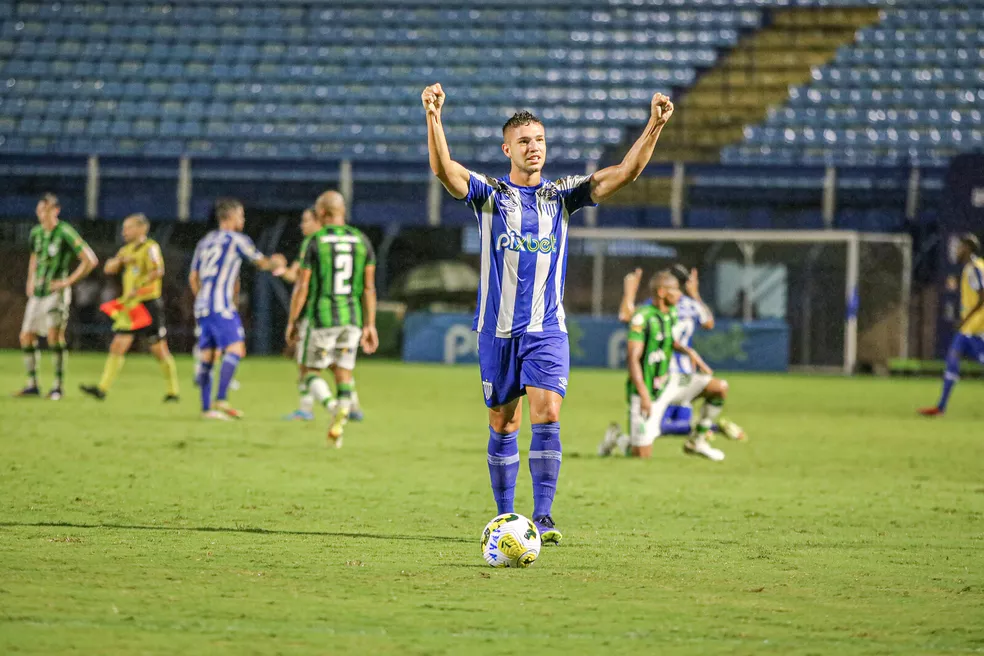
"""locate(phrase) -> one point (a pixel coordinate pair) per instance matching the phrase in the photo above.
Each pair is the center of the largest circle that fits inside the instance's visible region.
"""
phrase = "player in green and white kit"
(54, 246)
(336, 291)
(650, 388)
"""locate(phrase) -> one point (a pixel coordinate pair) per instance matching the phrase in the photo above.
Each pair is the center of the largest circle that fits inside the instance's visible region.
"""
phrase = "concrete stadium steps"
(754, 76)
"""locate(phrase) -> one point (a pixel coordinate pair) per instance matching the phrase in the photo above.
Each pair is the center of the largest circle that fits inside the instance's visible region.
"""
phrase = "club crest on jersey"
(528, 243)
(53, 248)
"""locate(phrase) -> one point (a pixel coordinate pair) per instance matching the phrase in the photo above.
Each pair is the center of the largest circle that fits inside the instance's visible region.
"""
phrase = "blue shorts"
(511, 364)
(968, 346)
(218, 332)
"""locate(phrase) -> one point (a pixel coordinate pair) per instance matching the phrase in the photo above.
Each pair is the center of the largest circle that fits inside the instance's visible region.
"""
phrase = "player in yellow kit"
(969, 340)
(140, 310)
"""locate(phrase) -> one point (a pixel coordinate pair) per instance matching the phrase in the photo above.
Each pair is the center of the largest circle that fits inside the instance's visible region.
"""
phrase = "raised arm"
(692, 288)
(606, 182)
(630, 288)
(452, 175)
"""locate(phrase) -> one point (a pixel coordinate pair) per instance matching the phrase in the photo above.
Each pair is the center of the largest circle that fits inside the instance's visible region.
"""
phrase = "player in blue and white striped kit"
(214, 274)
(522, 345)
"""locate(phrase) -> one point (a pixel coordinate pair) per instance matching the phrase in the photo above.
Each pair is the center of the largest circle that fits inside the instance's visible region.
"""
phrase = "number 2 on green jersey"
(343, 267)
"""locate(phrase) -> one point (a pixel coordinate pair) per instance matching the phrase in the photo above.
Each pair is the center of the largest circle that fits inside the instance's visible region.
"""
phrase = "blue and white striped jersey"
(217, 259)
(690, 315)
(523, 233)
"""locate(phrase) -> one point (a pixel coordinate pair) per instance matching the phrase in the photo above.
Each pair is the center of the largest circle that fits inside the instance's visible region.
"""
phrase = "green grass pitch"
(845, 525)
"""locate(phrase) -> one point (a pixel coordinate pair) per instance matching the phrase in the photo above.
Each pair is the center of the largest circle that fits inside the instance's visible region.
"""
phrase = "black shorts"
(157, 330)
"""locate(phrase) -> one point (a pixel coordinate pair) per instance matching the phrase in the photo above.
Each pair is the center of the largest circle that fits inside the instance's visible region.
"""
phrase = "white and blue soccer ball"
(510, 540)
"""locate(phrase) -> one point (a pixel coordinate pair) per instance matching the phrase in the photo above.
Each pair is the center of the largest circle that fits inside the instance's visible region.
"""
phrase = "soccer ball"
(510, 540)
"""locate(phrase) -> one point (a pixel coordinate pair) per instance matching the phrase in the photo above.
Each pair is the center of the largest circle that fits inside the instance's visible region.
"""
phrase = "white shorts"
(44, 313)
(680, 389)
(321, 348)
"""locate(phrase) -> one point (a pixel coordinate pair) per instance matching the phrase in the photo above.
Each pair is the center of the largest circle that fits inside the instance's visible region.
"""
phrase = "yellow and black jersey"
(140, 260)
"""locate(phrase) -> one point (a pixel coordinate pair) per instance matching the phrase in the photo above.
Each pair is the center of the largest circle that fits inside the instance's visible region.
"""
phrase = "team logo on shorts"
(487, 388)
(563, 382)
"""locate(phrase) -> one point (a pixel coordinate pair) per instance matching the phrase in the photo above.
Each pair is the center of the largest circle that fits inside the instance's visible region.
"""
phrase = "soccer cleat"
(217, 415)
(172, 398)
(28, 391)
(299, 415)
(731, 430)
(93, 391)
(610, 440)
(228, 410)
(549, 534)
(55, 394)
(338, 426)
(356, 414)
(699, 447)
(930, 412)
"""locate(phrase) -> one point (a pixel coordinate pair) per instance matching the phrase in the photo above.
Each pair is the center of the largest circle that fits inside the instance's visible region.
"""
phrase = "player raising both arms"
(522, 343)
(142, 264)
(336, 291)
(969, 340)
(54, 244)
(213, 278)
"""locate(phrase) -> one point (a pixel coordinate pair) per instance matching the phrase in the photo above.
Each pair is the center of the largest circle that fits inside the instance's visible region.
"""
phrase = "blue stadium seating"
(908, 91)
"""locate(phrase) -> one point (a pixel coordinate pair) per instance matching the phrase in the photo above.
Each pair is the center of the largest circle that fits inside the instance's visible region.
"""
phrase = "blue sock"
(545, 456)
(229, 363)
(950, 378)
(503, 468)
(205, 384)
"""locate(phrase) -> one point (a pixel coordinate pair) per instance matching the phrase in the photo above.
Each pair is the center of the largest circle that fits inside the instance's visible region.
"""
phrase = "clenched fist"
(661, 108)
(433, 99)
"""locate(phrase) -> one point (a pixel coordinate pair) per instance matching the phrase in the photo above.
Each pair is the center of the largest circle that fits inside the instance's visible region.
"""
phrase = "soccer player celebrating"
(54, 244)
(969, 340)
(213, 278)
(522, 344)
(336, 291)
(142, 264)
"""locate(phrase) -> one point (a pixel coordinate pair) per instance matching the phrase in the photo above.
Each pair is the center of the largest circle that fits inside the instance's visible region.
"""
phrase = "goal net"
(843, 296)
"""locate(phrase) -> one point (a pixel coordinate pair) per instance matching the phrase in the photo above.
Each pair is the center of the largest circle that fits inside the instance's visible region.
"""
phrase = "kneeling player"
(651, 390)
(143, 273)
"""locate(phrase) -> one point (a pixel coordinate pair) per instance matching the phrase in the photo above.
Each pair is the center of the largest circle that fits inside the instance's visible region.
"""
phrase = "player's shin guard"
(355, 396)
(709, 413)
(950, 377)
(59, 351)
(503, 468)
(545, 458)
(31, 365)
(205, 384)
(228, 371)
(170, 371)
(114, 363)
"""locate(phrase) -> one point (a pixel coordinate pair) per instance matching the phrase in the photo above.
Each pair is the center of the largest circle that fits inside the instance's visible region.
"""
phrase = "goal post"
(843, 294)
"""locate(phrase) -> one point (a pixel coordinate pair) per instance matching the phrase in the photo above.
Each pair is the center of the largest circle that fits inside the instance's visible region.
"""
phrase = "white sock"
(319, 391)
(709, 414)
(622, 442)
(307, 403)
(355, 398)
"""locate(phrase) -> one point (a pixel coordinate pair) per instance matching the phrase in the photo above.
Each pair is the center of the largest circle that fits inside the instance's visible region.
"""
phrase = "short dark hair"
(519, 119)
(225, 206)
(51, 199)
(680, 272)
(971, 241)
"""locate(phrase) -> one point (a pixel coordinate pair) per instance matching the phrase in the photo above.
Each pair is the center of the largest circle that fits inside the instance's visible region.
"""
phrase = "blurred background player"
(142, 264)
(968, 342)
(336, 291)
(213, 278)
(309, 226)
(691, 313)
(54, 244)
(651, 389)
(523, 347)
